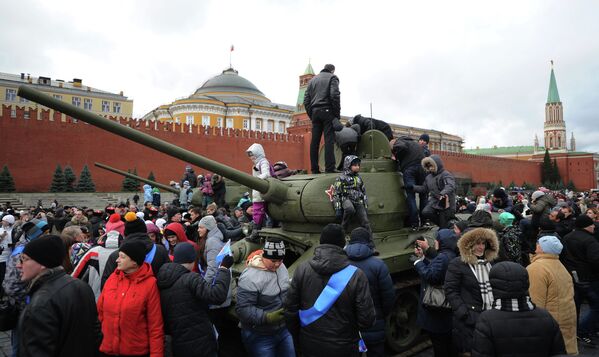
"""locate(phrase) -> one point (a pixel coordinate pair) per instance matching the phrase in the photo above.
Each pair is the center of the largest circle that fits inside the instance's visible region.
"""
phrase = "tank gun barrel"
(135, 177)
(273, 190)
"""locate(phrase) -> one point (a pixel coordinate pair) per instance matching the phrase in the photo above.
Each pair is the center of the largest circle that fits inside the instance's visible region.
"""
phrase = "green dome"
(228, 81)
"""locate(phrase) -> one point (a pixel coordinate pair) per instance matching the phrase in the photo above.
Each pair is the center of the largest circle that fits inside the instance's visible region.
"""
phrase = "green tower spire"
(553, 95)
(309, 69)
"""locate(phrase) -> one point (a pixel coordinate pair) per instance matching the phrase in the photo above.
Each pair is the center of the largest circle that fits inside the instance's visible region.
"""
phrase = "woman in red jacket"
(129, 307)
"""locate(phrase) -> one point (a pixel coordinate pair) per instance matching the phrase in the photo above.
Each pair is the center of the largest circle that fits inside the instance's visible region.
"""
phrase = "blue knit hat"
(551, 245)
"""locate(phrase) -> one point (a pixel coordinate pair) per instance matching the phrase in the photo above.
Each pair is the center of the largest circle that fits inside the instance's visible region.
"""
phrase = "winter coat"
(347, 136)
(129, 310)
(160, 257)
(323, 93)
(510, 245)
(371, 123)
(380, 284)
(336, 332)
(581, 252)
(463, 290)
(91, 267)
(507, 204)
(190, 176)
(207, 189)
(518, 328)
(156, 198)
(231, 229)
(219, 188)
(260, 291)
(261, 168)
(184, 297)
(439, 182)
(81, 222)
(349, 186)
(551, 289)
(541, 207)
(147, 193)
(178, 229)
(407, 152)
(214, 244)
(60, 319)
(432, 272)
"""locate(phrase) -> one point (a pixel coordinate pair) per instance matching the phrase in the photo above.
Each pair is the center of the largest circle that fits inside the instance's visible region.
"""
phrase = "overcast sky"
(478, 69)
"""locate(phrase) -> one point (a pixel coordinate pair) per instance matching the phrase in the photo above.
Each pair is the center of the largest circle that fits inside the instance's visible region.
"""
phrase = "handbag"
(434, 298)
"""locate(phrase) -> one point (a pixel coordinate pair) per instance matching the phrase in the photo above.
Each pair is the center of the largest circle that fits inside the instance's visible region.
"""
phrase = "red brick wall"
(576, 167)
(32, 148)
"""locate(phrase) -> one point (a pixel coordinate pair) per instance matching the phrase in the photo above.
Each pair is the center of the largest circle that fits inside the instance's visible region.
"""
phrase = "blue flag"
(223, 252)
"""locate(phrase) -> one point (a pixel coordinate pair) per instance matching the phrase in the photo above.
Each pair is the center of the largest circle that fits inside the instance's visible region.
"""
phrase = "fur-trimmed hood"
(433, 164)
(470, 238)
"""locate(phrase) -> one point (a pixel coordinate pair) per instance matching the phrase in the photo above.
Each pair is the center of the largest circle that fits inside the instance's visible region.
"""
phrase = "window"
(246, 124)
(281, 127)
(23, 100)
(270, 126)
(11, 95)
(206, 120)
(116, 107)
(229, 122)
(177, 120)
(26, 114)
(105, 106)
(259, 124)
(13, 113)
(189, 119)
(57, 96)
(87, 103)
(219, 122)
(76, 101)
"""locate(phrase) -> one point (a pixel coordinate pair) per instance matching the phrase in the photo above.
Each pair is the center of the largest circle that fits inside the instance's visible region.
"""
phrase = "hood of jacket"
(448, 240)
(328, 259)
(256, 262)
(147, 188)
(347, 163)
(358, 251)
(81, 221)
(433, 164)
(178, 229)
(169, 273)
(480, 218)
(509, 280)
(470, 238)
(257, 150)
(216, 233)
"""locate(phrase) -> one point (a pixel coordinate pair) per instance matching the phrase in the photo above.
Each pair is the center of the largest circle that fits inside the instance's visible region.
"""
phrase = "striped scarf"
(518, 304)
(481, 272)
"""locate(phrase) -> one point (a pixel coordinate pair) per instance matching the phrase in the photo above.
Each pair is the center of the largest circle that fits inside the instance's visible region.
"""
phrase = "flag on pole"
(232, 48)
(223, 252)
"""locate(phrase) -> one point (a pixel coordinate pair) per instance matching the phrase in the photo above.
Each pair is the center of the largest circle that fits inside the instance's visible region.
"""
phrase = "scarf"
(481, 272)
(517, 304)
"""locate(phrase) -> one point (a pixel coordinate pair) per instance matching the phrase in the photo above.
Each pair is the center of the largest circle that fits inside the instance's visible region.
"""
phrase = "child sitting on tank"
(260, 169)
(349, 197)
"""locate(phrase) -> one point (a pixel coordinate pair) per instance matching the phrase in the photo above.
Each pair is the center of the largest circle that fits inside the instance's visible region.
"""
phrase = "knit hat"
(506, 219)
(359, 235)
(133, 224)
(35, 228)
(152, 228)
(160, 222)
(546, 224)
(536, 195)
(425, 138)
(48, 250)
(462, 225)
(500, 193)
(333, 233)
(9, 218)
(209, 222)
(550, 245)
(172, 211)
(140, 215)
(274, 248)
(184, 253)
(583, 221)
(134, 249)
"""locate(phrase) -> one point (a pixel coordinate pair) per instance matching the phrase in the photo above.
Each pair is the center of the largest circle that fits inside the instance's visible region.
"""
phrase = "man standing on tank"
(322, 104)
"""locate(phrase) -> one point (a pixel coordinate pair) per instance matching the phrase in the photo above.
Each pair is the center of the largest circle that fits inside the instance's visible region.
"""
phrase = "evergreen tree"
(7, 184)
(511, 185)
(546, 169)
(557, 179)
(570, 186)
(58, 181)
(151, 176)
(129, 184)
(85, 183)
(70, 178)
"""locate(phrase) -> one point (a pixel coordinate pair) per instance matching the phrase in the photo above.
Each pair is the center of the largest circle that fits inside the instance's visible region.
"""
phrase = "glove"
(227, 262)
(274, 317)
(338, 215)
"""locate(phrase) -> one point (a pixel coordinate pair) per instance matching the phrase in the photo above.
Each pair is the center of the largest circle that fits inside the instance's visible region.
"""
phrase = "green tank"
(302, 204)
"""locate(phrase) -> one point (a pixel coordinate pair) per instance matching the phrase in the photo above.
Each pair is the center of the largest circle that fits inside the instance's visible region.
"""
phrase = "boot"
(254, 237)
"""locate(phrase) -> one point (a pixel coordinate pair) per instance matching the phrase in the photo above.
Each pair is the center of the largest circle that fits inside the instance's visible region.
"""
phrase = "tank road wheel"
(401, 330)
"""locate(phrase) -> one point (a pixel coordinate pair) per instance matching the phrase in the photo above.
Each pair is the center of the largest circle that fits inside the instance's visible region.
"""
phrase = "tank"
(303, 206)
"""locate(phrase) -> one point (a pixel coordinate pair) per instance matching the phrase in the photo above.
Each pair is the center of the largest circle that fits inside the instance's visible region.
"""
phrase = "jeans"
(322, 120)
(414, 175)
(590, 292)
(440, 217)
(277, 344)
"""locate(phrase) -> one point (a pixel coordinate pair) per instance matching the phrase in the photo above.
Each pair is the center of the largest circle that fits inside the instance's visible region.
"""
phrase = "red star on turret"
(330, 192)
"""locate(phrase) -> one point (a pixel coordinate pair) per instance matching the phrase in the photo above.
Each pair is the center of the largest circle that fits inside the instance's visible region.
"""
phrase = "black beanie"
(134, 224)
(359, 235)
(333, 233)
(274, 248)
(171, 212)
(135, 249)
(48, 250)
(583, 221)
(184, 253)
(499, 193)
(425, 138)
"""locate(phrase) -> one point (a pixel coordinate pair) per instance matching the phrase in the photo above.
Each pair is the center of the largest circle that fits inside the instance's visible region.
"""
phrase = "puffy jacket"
(525, 331)
(439, 182)
(407, 152)
(214, 244)
(581, 252)
(335, 333)
(147, 193)
(323, 93)
(260, 291)
(380, 284)
(184, 297)
(61, 318)
(551, 288)
(371, 123)
(160, 257)
(349, 186)
(129, 310)
(432, 272)
(261, 168)
(347, 136)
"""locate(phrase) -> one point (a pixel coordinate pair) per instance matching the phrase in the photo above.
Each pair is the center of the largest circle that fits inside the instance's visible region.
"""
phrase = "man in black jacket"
(323, 104)
(336, 333)
(60, 318)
